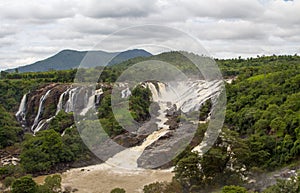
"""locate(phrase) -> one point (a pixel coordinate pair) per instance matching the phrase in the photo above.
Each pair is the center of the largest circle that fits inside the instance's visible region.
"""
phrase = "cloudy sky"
(36, 29)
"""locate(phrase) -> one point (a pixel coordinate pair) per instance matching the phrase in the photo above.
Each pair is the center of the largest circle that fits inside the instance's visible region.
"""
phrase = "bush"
(24, 184)
(8, 181)
(233, 189)
(118, 190)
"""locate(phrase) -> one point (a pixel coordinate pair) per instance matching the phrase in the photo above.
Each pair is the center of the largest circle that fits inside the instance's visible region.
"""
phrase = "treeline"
(181, 60)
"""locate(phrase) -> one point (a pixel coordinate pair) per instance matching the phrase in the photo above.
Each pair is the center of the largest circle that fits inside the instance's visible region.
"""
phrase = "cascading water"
(153, 90)
(186, 96)
(60, 101)
(37, 118)
(21, 114)
(98, 94)
(128, 158)
(89, 104)
(66, 103)
(41, 124)
(70, 103)
(125, 93)
(86, 98)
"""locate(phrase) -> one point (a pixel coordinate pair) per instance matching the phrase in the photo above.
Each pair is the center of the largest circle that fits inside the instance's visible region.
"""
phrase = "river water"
(103, 178)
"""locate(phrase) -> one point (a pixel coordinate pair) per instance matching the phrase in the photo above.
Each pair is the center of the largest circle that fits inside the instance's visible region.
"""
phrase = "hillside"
(260, 133)
(71, 59)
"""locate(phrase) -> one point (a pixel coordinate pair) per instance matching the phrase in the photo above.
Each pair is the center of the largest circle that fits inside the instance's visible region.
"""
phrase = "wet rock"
(161, 152)
(173, 123)
(172, 111)
(128, 139)
(50, 102)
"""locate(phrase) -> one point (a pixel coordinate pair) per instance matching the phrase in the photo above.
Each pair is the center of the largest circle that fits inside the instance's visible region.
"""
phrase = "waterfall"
(162, 129)
(196, 96)
(98, 94)
(21, 116)
(153, 90)
(70, 103)
(60, 102)
(41, 124)
(42, 99)
(89, 104)
(128, 158)
(86, 98)
(125, 93)
(161, 88)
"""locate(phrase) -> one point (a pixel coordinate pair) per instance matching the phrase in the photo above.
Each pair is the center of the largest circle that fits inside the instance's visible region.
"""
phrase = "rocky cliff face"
(155, 142)
(40, 106)
(38, 101)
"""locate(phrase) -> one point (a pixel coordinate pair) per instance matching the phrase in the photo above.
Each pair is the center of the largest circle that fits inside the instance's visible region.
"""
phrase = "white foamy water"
(71, 100)
(42, 99)
(185, 95)
(21, 112)
(125, 93)
(128, 158)
(121, 170)
(42, 124)
(60, 101)
(89, 105)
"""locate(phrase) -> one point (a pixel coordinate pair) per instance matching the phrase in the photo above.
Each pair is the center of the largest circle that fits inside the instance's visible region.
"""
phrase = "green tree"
(139, 103)
(42, 152)
(24, 185)
(156, 187)
(53, 183)
(285, 186)
(118, 190)
(8, 181)
(188, 172)
(234, 189)
(9, 130)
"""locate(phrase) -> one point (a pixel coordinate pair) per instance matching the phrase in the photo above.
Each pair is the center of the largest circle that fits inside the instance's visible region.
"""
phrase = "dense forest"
(261, 132)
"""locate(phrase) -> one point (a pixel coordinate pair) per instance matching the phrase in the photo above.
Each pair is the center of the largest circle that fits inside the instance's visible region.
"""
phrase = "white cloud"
(117, 8)
(33, 30)
(36, 10)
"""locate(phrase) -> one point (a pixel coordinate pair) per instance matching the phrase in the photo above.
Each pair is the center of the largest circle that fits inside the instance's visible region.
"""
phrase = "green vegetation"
(26, 184)
(261, 130)
(10, 132)
(140, 103)
(233, 189)
(107, 119)
(47, 149)
(61, 121)
(285, 186)
(118, 190)
(266, 109)
(43, 151)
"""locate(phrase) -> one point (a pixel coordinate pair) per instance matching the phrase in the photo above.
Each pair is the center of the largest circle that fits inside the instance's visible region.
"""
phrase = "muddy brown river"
(103, 178)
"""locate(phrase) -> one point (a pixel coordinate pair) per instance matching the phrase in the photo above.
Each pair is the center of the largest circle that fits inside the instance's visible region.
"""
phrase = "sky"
(36, 29)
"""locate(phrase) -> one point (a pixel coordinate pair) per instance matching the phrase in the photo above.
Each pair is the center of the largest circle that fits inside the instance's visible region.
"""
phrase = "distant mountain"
(68, 59)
